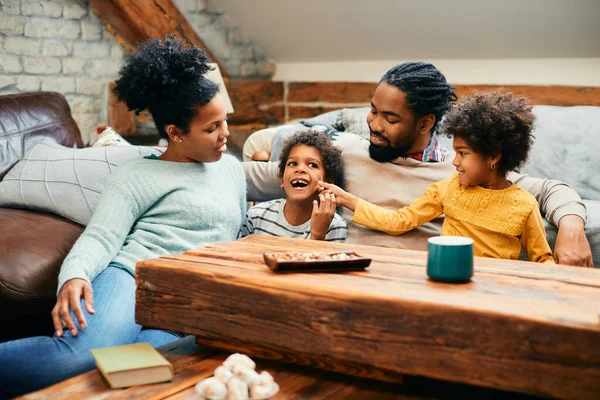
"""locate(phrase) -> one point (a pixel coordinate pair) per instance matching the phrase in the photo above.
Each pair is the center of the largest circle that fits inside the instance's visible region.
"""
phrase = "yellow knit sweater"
(499, 221)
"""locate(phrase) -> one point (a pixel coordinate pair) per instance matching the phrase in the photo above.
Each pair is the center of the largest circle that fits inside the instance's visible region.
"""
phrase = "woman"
(190, 196)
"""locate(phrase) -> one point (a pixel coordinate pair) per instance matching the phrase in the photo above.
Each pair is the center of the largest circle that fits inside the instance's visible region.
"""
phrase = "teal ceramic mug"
(450, 259)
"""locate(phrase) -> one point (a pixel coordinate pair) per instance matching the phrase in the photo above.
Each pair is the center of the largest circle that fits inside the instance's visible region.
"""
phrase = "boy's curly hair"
(331, 154)
(494, 123)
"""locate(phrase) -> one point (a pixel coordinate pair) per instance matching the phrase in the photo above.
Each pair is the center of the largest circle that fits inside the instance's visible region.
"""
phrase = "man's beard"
(387, 153)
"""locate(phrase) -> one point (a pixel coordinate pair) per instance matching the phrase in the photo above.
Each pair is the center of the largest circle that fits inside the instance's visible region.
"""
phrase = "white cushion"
(258, 141)
(65, 181)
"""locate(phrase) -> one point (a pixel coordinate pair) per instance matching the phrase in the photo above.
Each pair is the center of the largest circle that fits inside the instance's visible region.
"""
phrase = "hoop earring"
(493, 166)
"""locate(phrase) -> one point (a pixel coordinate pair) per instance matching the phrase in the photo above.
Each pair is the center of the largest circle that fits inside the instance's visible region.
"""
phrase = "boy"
(306, 158)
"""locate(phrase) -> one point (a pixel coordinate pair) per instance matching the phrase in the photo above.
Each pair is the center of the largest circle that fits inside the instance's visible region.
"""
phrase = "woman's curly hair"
(331, 154)
(494, 123)
(166, 78)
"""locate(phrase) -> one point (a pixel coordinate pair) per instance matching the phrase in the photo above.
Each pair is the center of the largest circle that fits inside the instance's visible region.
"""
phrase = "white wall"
(544, 42)
(350, 30)
(532, 71)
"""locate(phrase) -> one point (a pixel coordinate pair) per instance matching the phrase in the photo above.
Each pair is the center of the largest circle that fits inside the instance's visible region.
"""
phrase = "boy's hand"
(322, 215)
(343, 198)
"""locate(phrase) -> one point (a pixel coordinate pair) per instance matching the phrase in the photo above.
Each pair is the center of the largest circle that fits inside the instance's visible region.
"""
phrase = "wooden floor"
(193, 363)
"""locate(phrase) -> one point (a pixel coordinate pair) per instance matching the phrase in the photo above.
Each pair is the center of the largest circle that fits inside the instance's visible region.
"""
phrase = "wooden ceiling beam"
(134, 21)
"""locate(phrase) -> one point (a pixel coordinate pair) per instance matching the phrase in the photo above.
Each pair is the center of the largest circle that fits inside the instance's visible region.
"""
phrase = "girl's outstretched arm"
(396, 222)
(342, 197)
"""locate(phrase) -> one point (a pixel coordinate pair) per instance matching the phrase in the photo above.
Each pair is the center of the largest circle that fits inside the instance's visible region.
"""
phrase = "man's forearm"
(262, 182)
(572, 246)
(556, 198)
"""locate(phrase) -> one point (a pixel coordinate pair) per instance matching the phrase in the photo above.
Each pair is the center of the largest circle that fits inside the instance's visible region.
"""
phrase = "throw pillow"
(65, 181)
(108, 137)
(354, 120)
(327, 119)
(566, 147)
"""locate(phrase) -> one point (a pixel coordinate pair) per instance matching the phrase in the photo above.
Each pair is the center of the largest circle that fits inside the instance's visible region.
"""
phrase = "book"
(132, 364)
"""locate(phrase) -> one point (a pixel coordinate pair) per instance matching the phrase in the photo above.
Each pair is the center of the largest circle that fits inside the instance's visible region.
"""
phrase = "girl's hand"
(343, 198)
(322, 215)
(69, 299)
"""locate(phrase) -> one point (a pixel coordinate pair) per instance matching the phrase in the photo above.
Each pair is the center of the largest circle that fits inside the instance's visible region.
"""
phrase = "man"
(403, 157)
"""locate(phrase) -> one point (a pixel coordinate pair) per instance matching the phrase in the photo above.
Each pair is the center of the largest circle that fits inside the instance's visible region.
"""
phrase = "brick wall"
(263, 102)
(242, 58)
(59, 46)
(63, 46)
(271, 103)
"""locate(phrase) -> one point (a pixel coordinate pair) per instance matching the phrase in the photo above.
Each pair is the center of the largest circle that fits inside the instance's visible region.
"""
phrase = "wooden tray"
(358, 263)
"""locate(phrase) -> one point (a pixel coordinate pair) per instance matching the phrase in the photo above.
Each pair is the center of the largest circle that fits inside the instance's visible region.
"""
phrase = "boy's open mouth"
(299, 183)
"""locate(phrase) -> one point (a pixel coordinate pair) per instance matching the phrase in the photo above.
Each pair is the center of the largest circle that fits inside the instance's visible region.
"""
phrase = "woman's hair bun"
(152, 74)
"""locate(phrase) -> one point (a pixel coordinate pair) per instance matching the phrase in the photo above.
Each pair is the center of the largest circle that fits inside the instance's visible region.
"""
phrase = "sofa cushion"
(255, 143)
(63, 181)
(30, 118)
(326, 119)
(354, 120)
(32, 248)
(567, 147)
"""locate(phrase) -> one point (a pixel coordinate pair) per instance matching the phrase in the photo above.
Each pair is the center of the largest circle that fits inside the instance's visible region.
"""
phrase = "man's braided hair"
(426, 89)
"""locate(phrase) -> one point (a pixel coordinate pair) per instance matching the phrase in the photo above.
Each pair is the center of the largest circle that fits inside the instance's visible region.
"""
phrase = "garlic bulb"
(260, 391)
(238, 389)
(223, 374)
(212, 389)
(239, 359)
(248, 375)
(265, 379)
(237, 379)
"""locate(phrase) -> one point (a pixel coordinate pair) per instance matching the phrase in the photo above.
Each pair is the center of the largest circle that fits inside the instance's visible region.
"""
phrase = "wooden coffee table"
(517, 326)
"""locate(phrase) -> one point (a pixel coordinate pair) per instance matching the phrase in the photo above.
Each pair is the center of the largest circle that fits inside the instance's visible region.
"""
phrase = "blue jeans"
(34, 363)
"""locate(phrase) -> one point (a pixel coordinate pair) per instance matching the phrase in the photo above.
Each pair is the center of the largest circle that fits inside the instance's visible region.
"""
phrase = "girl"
(191, 196)
(492, 136)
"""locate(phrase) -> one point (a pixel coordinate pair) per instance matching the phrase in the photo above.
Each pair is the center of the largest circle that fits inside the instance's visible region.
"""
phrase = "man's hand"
(69, 299)
(322, 215)
(343, 198)
(572, 247)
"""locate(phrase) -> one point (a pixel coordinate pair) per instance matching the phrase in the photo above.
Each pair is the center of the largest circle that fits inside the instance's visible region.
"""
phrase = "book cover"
(132, 364)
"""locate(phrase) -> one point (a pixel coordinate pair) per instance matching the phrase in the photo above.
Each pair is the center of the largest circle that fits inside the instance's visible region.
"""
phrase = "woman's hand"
(343, 198)
(322, 215)
(69, 299)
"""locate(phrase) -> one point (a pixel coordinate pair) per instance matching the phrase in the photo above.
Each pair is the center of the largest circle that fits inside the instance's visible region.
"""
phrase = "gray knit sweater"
(150, 208)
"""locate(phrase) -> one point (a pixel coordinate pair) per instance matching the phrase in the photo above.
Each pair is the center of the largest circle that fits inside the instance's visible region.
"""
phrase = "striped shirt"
(268, 219)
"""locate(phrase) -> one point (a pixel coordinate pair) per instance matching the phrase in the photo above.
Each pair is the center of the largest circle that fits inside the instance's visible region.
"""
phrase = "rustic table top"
(517, 325)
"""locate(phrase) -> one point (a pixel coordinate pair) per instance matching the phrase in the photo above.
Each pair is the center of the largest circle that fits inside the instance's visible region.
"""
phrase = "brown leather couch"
(32, 244)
